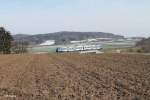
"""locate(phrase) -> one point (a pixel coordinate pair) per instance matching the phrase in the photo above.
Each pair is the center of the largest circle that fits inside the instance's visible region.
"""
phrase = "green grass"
(42, 49)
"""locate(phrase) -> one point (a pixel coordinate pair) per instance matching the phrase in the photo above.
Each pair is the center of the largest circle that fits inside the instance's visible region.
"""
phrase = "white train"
(79, 48)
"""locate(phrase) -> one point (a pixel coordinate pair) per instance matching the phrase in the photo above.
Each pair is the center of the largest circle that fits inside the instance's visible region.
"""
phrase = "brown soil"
(75, 77)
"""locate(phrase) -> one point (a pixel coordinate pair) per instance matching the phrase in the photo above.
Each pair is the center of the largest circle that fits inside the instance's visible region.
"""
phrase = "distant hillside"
(20, 36)
(144, 44)
(64, 37)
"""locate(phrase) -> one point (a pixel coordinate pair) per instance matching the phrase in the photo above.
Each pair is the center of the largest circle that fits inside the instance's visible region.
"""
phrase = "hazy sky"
(125, 17)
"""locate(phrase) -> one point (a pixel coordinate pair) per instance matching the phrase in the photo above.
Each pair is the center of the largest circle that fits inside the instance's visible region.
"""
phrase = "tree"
(5, 41)
(19, 47)
(144, 45)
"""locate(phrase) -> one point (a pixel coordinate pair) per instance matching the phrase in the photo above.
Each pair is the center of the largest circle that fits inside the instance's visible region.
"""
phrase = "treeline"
(8, 45)
(144, 45)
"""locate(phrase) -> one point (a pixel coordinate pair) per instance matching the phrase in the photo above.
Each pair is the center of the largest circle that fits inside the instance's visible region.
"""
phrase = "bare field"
(75, 77)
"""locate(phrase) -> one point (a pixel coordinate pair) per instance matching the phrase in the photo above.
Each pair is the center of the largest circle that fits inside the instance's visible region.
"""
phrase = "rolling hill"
(64, 37)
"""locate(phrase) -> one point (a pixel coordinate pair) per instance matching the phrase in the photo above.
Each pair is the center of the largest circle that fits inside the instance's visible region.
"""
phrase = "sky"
(123, 17)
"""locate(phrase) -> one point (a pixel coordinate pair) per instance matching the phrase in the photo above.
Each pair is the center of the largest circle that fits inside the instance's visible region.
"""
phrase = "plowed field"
(75, 77)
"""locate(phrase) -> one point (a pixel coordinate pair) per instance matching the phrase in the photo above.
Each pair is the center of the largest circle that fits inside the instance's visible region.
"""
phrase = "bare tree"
(19, 47)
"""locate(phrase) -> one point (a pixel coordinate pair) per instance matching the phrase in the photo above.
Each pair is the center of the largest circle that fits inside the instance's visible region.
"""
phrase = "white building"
(48, 42)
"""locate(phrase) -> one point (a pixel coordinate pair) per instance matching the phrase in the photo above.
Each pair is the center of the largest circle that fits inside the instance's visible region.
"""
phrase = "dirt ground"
(75, 77)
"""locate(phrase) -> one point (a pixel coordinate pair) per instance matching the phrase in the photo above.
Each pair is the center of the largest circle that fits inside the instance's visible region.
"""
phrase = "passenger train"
(79, 48)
